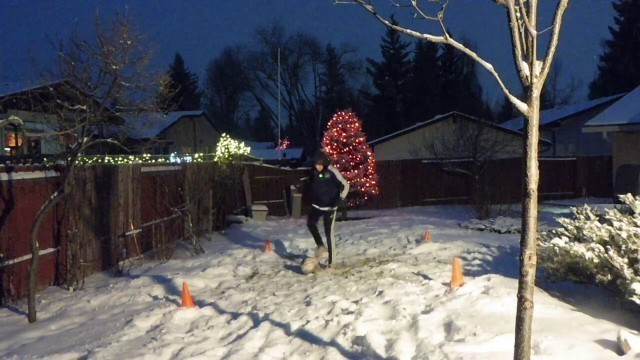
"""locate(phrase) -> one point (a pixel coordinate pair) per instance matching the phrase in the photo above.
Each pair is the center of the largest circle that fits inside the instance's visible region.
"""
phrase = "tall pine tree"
(334, 91)
(388, 106)
(425, 82)
(619, 67)
(181, 92)
(460, 87)
(261, 128)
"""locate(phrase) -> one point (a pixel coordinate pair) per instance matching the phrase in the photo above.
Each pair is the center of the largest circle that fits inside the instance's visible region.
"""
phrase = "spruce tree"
(346, 145)
(181, 92)
(506, 112)
(619, 69)
(262, 128)
(425, 82)
(333, 84)
(334, 91)
(388, 105)
(460, 87)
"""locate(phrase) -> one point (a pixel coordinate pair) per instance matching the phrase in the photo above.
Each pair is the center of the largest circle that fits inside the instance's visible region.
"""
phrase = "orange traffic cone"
(267, 247)
(187, 299)
(427, 237)
(457, 279)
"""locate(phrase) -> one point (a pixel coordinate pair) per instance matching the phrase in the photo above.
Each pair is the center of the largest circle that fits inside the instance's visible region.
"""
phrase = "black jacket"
(327, 186)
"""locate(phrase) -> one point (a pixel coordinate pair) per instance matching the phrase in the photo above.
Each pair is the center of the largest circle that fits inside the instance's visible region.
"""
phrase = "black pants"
(328, 219)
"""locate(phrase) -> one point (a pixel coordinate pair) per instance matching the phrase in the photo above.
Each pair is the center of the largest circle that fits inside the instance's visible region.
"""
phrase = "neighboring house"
(267, 153)
(16, 142)
(621, 123)
(453, 135)
(183, 132)
(562, 126)
(38, 106)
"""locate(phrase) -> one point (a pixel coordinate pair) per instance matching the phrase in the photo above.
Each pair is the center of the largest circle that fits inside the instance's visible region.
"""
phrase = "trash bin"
(259, 212)
(296, 203)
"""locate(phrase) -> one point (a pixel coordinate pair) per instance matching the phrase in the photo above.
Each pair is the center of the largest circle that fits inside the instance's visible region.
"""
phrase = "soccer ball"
(310, 265)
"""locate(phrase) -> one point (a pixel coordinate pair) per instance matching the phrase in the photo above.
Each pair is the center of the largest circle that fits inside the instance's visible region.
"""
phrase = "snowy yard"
(386, 298)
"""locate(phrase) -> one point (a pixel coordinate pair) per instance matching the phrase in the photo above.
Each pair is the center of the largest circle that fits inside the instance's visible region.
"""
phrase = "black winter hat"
(321, 158)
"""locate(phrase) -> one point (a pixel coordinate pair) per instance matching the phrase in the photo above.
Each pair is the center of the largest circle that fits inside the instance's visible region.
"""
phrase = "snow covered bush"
(597, 248)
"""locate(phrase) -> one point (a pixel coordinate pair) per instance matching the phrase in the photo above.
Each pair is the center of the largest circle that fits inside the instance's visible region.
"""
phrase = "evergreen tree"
(262, 127)
(388, 104)
(425, 82)
(346, 145)
(460, 87)
(181, 91)
(507, 111)
(619, 70)
(334, 91)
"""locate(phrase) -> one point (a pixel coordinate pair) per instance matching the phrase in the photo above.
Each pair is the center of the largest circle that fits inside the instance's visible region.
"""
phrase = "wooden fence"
(115, 213)
(416, 182)
(120, 212)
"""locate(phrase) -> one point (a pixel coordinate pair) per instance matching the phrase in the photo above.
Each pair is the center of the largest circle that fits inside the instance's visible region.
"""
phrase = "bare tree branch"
(445, 39)
(553, 43)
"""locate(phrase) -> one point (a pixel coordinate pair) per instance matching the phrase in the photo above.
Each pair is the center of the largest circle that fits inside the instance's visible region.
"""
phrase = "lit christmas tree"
(346, 145)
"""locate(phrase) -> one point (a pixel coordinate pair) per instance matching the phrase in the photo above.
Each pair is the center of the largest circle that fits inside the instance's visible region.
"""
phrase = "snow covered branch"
(448, 40)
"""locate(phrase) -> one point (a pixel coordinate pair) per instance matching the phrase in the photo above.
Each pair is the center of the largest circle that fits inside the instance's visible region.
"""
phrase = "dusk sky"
(200, 29)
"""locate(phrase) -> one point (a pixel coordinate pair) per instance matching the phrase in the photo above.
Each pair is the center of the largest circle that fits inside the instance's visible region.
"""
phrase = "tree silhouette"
(390, 77)
(618, 70)
(334, 91)
(425, 82)
(181, 91)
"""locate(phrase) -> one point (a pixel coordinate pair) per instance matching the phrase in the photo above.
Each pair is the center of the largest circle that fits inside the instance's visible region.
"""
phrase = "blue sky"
(199, 29)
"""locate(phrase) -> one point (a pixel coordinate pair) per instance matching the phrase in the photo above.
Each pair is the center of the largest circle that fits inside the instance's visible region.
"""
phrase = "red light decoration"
(346, 145)
(283, 144)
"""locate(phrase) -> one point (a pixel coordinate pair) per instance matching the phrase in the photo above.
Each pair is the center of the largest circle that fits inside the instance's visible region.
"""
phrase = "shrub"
(597, 248)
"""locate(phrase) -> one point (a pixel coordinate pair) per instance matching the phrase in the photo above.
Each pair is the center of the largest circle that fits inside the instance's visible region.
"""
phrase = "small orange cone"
(267, 248)
(187, 299)
(427, 237)
(457, 279)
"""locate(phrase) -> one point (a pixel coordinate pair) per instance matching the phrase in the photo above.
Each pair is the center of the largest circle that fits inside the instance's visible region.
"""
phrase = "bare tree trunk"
(528, 238)
(35, 251)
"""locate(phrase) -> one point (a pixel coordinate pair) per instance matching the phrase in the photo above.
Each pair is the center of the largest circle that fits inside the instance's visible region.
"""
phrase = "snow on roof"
(9, 88)
(436, 119)
(149, 125)
(560, 113)
(260, 144)
(625, 111)
(273, 154)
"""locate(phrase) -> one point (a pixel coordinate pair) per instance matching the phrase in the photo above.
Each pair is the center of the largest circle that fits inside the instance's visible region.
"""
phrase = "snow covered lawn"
(386, 298)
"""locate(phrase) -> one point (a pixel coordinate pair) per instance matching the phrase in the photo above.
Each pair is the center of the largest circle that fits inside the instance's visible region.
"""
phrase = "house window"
(13, 143)
(12, 139)
(34, 146)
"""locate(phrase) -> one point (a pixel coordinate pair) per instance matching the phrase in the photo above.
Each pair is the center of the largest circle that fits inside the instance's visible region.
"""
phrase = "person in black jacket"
(328, 186)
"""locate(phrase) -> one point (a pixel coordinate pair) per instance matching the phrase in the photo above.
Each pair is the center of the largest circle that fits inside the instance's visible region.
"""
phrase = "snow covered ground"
(388, 297)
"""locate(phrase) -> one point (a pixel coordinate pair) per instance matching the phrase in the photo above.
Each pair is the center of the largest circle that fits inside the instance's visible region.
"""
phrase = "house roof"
(260, 144)
(561, 113)
(16, 89)
(10, 88)
(440, 118)
(273, 154)
(151, 124)
(624, 114)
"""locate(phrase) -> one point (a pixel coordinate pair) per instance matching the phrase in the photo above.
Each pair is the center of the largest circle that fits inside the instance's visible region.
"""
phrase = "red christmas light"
(346, 145)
